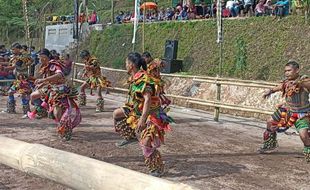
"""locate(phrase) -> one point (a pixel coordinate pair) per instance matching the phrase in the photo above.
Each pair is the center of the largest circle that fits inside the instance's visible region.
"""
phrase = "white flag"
(136, 20)
(219, 21)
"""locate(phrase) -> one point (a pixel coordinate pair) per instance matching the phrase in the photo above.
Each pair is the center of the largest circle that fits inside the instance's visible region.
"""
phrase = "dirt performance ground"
(198, 151)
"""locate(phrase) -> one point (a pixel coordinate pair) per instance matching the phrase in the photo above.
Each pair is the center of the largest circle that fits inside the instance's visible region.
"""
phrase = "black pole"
(76, 36)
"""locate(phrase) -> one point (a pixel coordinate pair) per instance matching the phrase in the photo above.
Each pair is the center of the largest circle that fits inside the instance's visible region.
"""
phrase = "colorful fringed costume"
(156, 124)
(23, 85)
(296, 112)
(61, 97)
(94, 79)
(153, 70)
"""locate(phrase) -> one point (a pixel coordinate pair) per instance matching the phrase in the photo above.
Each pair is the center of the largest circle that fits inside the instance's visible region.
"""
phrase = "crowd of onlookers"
(91, 19)
(202, 9)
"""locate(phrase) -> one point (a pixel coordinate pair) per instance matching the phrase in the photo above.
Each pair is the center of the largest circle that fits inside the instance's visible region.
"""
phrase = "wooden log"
(75, 171)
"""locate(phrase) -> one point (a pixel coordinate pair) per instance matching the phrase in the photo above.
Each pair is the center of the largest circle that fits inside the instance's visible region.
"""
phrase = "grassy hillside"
(254, 48)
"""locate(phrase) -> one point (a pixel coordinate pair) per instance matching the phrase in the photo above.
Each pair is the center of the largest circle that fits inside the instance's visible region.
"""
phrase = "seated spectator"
(282, 8)
(82, 17)
(63, 19)
(268, 8)
(93, 18)
(161, 15)
(260, 8)
(4, 53)
(119, 18)
(184, 14)
(199, 9)
(192, 12)
(248, 4)
(207, 7)
(170, 14)
(233, 7)
(177, 15)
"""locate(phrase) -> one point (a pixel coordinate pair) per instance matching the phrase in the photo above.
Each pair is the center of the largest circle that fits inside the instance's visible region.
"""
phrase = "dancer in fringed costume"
(23, 85)
(94, 80)
(294, 112)
(59, 96)
(142, 116)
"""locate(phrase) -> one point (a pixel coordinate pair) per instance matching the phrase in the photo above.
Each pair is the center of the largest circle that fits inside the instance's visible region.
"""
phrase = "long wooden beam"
(75, 171)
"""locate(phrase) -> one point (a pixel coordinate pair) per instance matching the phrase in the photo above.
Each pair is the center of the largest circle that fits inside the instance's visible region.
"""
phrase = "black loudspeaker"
(171, 49)
(172, 66)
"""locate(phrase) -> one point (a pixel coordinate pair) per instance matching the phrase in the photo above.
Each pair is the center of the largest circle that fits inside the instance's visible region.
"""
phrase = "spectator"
(93, 18)
(268, 8)
(82, 17)
(161, 15)
(199, 9)
(282, 8)
(191, 12)
(170, 14)
(4, 53)
(207, 7)
(233, 7)
(184, 14)
(248, 4)
(260, 8)
(177, 15)
(119, 18)
(35, 59)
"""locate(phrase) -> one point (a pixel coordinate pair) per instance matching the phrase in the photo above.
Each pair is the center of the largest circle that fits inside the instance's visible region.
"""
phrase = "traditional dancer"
(95, 79)
(58, 94)
(19, 64)
(147, 57)
(142, 115)
(294, 112)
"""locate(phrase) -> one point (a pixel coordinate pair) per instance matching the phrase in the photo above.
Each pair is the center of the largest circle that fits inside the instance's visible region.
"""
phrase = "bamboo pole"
(110, 88)
(7, 80)
(225, 81)
(232, 107)
(203, 102)
(218, 98)
(216, 104)
(213, 103)
(76, 171)
(233, 83)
